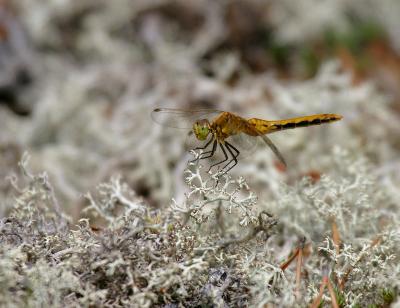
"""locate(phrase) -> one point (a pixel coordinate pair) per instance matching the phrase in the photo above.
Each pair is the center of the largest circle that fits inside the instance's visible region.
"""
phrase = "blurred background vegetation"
(78, 81)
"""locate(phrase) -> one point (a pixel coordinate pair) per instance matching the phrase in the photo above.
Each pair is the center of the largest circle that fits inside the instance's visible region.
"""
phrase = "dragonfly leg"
(222, 161)
(209, 153)
(207, 144)
(233, 148)
(204, 147)
(230, 147)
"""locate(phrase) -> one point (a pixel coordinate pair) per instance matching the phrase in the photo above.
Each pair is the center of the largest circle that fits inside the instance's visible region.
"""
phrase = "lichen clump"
(217, 248)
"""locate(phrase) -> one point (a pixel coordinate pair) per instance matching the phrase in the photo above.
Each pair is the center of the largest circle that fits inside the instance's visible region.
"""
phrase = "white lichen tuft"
(217, 248)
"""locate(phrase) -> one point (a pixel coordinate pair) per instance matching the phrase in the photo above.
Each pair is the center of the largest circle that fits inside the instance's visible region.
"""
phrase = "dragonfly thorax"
(201, 129)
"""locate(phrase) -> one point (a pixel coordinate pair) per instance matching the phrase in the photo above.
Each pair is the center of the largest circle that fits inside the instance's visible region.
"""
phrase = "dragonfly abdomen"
(265, 127)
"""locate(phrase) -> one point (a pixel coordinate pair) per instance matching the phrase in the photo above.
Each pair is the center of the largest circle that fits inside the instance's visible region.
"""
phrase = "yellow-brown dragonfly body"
(227, 124)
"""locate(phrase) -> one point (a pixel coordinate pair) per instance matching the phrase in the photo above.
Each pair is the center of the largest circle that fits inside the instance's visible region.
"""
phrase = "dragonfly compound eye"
(201, 130)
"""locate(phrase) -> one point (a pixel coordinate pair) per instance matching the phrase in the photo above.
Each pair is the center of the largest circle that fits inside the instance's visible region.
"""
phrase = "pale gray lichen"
(138, 256)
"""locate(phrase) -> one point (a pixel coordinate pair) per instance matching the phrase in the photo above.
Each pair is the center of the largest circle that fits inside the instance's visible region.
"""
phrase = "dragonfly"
(229, 131)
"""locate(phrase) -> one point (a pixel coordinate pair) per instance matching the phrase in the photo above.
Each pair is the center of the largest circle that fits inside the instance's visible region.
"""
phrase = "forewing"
(181, 118)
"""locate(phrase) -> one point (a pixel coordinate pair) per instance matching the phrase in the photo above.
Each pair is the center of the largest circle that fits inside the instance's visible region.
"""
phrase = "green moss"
(341, 299)
(388, 295)
(310, 61)
(280, 54)
(355, 39)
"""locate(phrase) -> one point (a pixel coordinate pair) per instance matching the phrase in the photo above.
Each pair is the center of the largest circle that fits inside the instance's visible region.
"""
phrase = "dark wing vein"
(181, 118)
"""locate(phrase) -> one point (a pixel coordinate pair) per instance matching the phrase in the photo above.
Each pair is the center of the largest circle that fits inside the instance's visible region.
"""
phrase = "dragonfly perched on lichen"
(232, 132)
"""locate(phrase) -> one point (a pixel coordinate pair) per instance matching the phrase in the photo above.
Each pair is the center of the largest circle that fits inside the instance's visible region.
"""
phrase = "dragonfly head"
(201, 129)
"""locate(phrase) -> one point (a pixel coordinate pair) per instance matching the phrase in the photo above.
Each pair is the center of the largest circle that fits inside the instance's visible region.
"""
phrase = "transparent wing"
(274, 149)
(181, 118)
(247, 145)
(272, 146)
